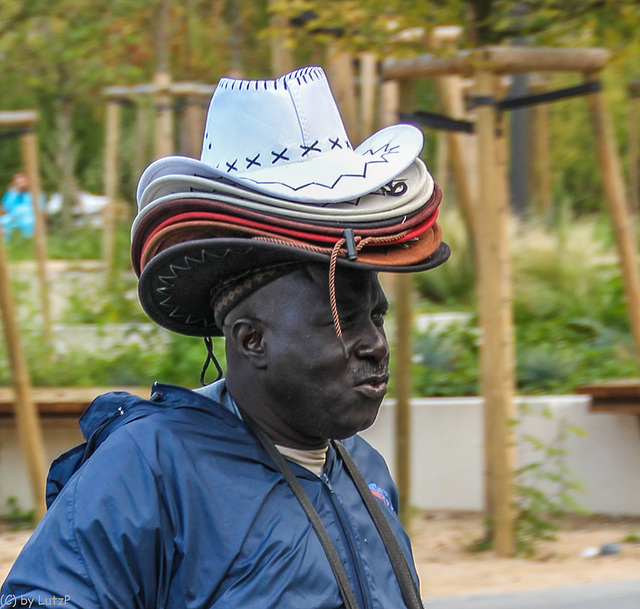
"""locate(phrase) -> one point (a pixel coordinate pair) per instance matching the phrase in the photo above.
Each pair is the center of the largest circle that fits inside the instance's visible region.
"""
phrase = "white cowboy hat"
(285, 138)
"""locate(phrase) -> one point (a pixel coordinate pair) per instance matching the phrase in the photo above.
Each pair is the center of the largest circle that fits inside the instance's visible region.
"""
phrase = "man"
(254, 491)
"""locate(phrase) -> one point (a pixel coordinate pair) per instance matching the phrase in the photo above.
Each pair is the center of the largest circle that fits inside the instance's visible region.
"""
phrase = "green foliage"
(571, 320)
(453, 283)
(631, 537)
(445, 361)
(17, 518)
(545, 487)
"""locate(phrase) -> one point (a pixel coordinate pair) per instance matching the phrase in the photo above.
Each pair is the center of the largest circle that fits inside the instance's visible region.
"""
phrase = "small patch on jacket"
(381, 494)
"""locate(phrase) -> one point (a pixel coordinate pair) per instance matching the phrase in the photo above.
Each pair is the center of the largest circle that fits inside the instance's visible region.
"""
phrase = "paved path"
(610, 595)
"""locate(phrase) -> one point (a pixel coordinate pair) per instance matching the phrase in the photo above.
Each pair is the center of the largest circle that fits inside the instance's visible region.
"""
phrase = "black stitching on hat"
(253, 161)
(279, 156)
(231, 166)
(394, 189)
(308, 149)
(335, 143)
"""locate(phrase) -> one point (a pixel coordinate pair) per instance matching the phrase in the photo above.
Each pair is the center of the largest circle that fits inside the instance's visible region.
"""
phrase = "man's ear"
(248, 338)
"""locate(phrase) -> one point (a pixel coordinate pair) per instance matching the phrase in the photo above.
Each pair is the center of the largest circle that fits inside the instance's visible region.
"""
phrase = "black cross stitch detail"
(335, 143)
(253, 161)
(231, 166)
(308, 149)
(279, 156)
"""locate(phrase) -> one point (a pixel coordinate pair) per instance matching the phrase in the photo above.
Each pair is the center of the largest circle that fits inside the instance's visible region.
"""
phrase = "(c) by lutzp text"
(10, 600)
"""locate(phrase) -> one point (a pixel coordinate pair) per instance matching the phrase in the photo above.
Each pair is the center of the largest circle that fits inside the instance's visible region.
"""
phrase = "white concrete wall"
(447, 452)
(59, 436)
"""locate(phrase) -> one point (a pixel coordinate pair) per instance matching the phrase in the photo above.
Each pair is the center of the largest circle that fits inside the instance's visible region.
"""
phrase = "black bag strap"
(410, 591)
(346, 592)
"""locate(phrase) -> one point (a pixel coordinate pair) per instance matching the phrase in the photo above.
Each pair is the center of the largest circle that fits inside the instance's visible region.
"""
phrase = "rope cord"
(208, 341)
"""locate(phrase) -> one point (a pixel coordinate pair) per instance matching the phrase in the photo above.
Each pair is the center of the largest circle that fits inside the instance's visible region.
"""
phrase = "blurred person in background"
(16, 209)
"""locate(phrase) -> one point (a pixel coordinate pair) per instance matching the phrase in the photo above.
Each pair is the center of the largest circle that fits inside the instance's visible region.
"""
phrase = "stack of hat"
(278, 182)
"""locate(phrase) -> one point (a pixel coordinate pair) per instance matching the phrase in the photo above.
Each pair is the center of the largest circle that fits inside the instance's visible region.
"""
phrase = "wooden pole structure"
(29, 432)
(194, 123)
(111, 185)
(501, 60)
(541, 165)
(28, 119)
(634, 179)
(368, 85)
(461, 146)
(497, 346)
(341, 77)
(164, 116)
(30, 155)
(492, 227)
(391, 99)
(281, 55)
(616, 197)
(142, 137)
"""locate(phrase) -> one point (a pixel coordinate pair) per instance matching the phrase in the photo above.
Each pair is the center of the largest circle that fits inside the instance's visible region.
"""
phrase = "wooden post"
(111, 185)
(460, 146)
(368, 77)
(341, 77)
(542, 166)
(634, 91)
(164, 116)
(391, 99)
(29, 432)
(281, 56)
(30, 154)
(194, 123)
(615, 194)
(142, 136)
(497, 348)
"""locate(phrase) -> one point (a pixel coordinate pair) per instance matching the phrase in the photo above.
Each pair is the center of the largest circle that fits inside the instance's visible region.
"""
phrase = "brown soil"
(447, 567)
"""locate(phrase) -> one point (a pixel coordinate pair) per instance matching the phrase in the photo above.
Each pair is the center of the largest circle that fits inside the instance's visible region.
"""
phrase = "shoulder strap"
(346, 592)
(410, 591)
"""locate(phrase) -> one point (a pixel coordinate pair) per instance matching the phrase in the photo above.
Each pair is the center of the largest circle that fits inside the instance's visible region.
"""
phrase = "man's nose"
(373, 343)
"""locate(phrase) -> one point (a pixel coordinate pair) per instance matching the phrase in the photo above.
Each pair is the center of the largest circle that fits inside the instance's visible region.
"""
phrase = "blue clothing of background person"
(17, 208)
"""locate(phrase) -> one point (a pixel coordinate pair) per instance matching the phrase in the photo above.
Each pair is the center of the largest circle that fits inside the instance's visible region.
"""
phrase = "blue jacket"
(173, 503)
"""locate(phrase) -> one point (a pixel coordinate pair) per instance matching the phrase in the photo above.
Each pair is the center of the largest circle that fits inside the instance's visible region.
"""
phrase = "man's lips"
(374, 386)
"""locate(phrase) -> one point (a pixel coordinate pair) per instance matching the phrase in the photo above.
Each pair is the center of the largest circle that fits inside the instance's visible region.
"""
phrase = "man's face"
(317, 391)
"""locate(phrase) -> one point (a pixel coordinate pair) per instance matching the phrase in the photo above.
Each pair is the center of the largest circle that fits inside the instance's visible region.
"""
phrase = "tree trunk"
(66, 158)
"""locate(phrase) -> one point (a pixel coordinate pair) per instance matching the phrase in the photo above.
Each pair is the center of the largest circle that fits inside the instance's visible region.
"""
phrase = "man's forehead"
(351, 285)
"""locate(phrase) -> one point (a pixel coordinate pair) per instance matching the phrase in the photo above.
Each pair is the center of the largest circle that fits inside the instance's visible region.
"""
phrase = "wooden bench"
(62, 401)
(617, 396)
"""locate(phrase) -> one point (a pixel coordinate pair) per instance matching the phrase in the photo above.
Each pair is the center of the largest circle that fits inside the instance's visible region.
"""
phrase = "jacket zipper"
(346, 528)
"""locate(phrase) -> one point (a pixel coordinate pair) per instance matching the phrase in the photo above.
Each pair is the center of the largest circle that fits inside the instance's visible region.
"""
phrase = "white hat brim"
(331, 177)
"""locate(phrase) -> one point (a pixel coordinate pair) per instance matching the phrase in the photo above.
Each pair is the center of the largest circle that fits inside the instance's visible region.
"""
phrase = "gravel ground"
(447, 568)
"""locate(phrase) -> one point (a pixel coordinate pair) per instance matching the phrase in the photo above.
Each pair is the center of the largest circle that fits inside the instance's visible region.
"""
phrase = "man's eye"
(378, 317)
